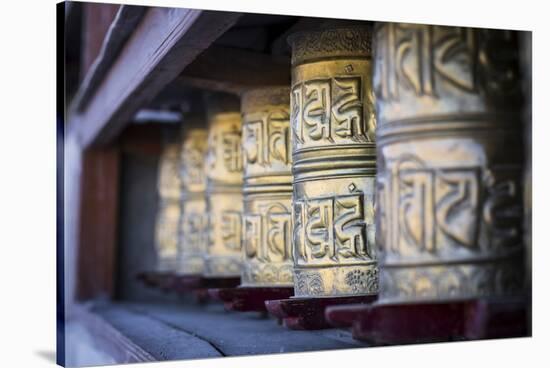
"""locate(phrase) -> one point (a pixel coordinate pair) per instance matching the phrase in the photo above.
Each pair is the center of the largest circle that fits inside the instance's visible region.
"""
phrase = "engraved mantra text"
(330, 228)
(267, 139)
(232, 154)
(429, 207)
(229, 147)
(194, 231)
(328, 110)
(230, 229)
(410, 57)
(193, 165)
(267, 235)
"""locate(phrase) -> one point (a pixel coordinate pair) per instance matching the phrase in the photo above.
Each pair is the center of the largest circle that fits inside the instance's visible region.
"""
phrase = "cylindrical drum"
(267, 188)
(224, 175)
(450, 156)
(334, 163)
(193, 240)
(168, 216)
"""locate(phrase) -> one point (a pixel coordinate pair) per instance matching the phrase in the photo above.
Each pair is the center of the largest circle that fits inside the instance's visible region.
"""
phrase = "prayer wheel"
(334, 162)
(224, 178)
(168, 217)
(267, 192)
(194, 219)
(450, 162)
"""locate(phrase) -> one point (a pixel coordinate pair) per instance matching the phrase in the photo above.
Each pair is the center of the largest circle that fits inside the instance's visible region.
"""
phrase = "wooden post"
(98, 223)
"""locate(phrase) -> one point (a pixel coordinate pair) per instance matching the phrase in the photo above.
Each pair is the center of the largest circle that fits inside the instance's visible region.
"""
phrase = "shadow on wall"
(47, 355)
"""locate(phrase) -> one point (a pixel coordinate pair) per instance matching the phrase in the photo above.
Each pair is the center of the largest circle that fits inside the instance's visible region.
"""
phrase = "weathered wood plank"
(102, 47)
(98, 20)
(158, 339)
(243, 333)
(163, 44)
(183, 330)
(109, 338)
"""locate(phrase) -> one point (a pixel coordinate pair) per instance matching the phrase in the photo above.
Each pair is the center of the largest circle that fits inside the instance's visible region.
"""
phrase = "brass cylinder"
(267, 188)
(168, 217)
(334, 163)
(224, 175)
(450, 162)
(194, 220)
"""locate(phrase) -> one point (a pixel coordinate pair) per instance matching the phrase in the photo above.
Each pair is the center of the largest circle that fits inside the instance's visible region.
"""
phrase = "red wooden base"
(201, 296)
(249, 299)
(309, 313)
(198, 285)
(187, 284)
(162, 280)
(388, 324)
(194, 282)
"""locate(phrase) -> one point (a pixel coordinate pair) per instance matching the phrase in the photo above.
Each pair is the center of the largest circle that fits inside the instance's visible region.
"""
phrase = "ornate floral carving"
(363, 281)
(443, 282)
(310, 283)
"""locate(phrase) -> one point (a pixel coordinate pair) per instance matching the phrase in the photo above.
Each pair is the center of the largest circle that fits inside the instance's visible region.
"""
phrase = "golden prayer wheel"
(194, 219)
(224, 173)
(267, 192)
(334, 163)
(450, 157)
(168, 217)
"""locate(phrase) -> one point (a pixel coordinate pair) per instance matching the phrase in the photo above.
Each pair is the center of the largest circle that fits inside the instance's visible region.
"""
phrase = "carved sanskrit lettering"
(349, 228)
(427, 208)
(231, 229)
(232, 153)
(420, 59)
(193, 165)
(319, 229)
(348, 108)
(328, 110)
(331, 229)
(194, 231)
(267, 235)
(317, 103)
(169, 184)
(503, 212)
(253, 235)
(267, 139)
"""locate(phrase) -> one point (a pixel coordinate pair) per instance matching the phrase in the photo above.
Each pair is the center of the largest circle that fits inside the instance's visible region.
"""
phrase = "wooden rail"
(163, 43)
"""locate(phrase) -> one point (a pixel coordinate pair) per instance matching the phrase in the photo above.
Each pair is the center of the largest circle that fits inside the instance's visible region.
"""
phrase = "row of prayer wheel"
(391, 165)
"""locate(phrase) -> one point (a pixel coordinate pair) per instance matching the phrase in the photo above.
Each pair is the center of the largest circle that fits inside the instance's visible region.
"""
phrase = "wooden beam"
(165, 41)
(97, 21)
(234, 70)
(103, 43)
